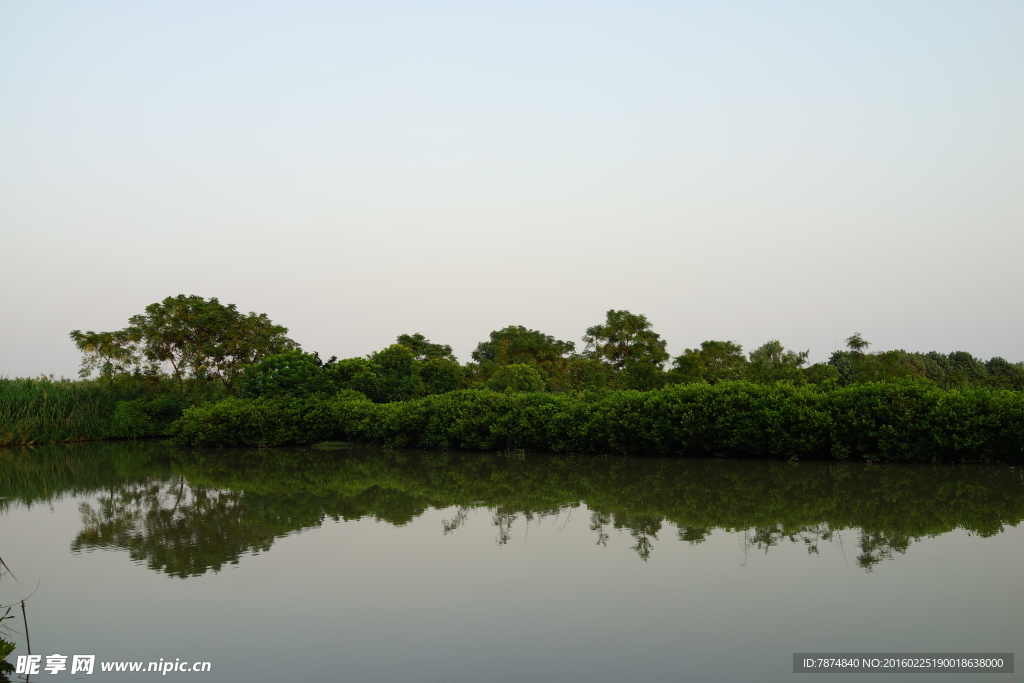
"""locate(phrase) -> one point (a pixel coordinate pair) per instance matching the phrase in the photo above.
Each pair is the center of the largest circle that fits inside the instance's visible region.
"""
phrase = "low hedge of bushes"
(876, 421)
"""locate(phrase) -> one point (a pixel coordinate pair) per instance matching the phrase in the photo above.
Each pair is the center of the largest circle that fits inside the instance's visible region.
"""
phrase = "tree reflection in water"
(173, 527)
(186, 513)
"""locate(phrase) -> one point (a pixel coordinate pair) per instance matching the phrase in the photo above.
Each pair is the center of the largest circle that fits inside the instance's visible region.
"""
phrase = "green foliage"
(714, 361)
(212, 351)
(271, 421)
(516, 377)
(52, 411)
(423, 349)
(856, 343)
(625, 338)
(517, 345)
(46, 410)
(956, 370)
(643, 375)
(441, 375)
(392, 374)
(356, 374)
(199, 340)
(1005, 375)
(145, 417)
(584, 374)
(771, 363)
(819, 373)
(292, 373)
(6, 648)
(397, 369)
(891, 421)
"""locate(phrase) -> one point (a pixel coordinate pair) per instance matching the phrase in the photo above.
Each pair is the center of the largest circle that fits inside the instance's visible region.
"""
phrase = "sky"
(740, 171)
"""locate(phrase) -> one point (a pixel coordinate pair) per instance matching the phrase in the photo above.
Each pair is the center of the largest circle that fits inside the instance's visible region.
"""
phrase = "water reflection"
(173, 527)
(186, 513)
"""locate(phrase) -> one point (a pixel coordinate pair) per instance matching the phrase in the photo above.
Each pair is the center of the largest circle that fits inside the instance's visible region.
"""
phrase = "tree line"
(206, 349)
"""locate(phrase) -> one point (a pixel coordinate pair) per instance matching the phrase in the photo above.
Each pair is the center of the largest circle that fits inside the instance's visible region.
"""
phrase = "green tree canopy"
(441, 375)
(516, 344)
(771, 362)
(714, 361)
(856, 343)
(292, 373)
(625, 338)
(398, 372)
(516, 377)
(423, 348)
(196, 338)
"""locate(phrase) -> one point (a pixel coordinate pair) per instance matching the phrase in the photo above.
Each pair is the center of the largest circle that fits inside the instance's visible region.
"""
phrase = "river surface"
(358, 565)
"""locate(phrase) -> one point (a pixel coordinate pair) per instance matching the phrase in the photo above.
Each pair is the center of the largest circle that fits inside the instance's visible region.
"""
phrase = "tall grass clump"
(47, 410)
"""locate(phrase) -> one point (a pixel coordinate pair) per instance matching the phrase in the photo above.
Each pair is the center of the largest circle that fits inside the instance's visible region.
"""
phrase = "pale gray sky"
(734, 170)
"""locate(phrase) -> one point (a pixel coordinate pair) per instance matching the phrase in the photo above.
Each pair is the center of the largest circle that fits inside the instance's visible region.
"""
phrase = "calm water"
(363, 566)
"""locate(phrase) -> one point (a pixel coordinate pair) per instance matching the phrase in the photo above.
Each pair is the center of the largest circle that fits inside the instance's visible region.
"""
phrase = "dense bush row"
(896, 420)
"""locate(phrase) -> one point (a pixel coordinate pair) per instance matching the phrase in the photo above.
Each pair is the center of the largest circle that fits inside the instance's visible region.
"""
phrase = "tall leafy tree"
(771, 362)
(292, 373)
(856, 343)
(194, 337)
(441, 375)
(714, 361)
(517, 345)
(625, 338)
(398, 372)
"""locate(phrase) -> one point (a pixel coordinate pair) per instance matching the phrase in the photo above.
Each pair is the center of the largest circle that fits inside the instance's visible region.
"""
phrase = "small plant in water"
(6, 648)
(516, 454)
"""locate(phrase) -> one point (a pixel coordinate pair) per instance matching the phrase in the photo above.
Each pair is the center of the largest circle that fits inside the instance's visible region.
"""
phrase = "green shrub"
(6, 648)
(292, 373)
(144, 417)
(269, 421)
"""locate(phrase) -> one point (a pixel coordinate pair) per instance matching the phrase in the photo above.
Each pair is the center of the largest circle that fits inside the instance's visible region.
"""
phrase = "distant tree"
(292, 373)
(398, 372)
(517, 345)
(856, 343)
(441, 375)
(583, 374)
(855, 367)
(714, 361)
(820, 373)
(357, 374)
(517, 377)
(1004, 374)
(771, 362)
(643, 375)
(423, 349)
(196, 338)
(624, 338)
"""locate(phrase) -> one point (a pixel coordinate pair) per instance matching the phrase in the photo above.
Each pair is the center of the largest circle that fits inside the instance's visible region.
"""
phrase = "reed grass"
(47, 410)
